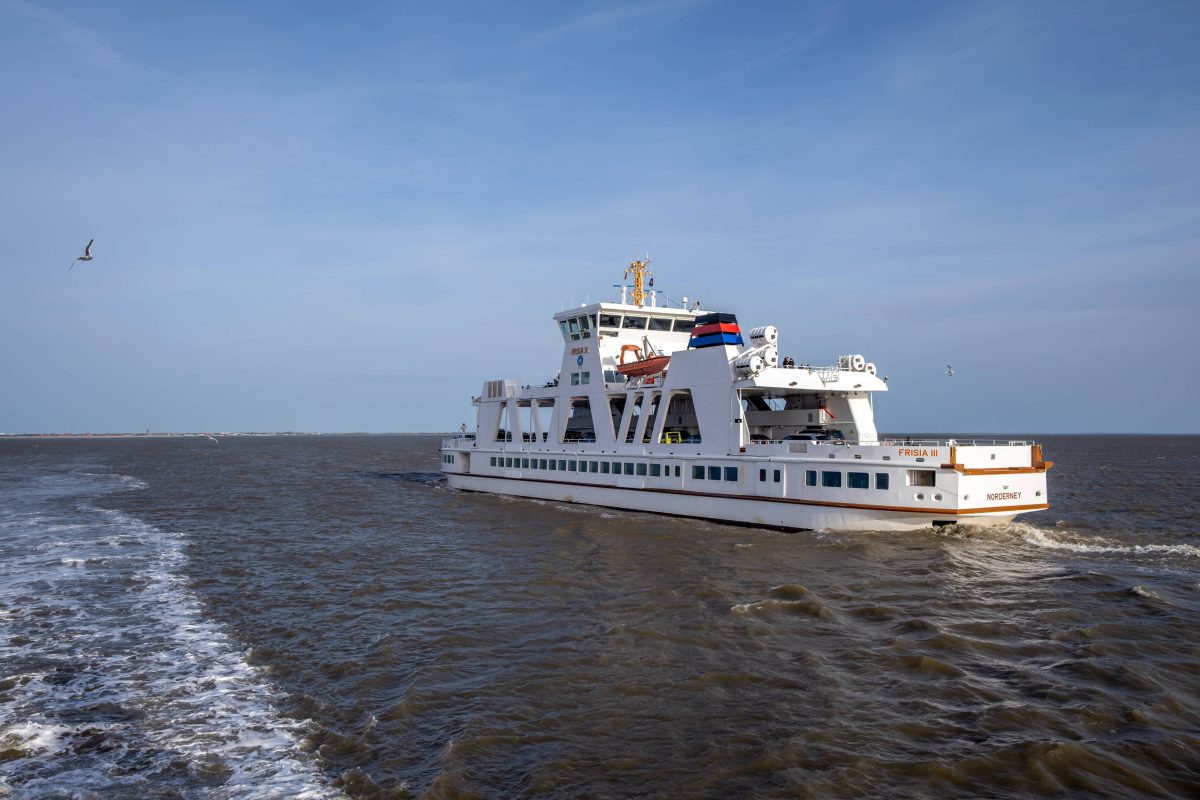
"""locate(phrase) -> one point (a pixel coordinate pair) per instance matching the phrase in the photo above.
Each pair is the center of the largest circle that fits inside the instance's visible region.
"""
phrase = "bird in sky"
(87, 256)
(949, 371)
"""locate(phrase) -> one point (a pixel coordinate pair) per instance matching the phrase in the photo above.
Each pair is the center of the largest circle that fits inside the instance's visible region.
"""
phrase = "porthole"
(937, 498)
(919, 496)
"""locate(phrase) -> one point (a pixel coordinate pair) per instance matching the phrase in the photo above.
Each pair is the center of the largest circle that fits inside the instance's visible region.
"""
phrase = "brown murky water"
(317, 616)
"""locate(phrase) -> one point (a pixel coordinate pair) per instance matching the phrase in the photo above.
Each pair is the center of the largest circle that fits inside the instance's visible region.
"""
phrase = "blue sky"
(344, 217)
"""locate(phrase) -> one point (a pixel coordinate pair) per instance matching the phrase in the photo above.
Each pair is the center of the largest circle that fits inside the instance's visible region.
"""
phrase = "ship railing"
(459, 440)
(905, 442)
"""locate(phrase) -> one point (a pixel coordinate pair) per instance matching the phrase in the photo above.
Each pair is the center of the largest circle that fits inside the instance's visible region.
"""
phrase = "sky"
(348, 216)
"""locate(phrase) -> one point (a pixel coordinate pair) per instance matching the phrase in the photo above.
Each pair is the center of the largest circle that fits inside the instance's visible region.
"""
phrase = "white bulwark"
(677, 411)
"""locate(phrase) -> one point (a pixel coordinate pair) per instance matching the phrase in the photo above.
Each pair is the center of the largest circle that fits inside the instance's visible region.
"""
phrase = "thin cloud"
(81, 39)
(612, 16)
(795, 46)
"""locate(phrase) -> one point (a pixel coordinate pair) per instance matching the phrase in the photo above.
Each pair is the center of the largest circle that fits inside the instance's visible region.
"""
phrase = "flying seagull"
(949, 371)
(212, 438)
(87, 256)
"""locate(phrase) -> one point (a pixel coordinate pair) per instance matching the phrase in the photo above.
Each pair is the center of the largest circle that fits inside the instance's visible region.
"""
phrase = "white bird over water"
(950, 370)
(87, 256)
(212, 438)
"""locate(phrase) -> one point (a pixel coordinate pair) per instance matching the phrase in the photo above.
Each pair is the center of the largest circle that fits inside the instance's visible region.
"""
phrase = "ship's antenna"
(640, 270)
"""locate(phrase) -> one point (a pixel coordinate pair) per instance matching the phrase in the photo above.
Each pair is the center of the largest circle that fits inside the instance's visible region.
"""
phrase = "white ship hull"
(781, 513)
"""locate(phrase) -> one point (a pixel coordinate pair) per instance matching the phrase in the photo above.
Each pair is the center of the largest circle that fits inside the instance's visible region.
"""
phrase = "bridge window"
(610, 320)
(858, 480)
(638, 323)
(660, 324)
(684, 324)
(831, 479)
(881, 480)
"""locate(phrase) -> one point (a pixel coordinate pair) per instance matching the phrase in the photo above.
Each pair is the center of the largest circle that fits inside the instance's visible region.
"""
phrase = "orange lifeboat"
(643, 366)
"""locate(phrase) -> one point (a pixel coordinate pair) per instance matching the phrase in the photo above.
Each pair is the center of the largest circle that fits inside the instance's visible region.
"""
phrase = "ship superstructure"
(677, 410)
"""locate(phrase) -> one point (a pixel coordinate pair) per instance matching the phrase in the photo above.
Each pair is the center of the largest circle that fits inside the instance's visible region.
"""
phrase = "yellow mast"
(640, 270)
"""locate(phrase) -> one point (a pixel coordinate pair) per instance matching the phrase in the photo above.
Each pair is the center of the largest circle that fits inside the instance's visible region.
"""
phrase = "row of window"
(714, 473)
(578, 327)
(581, 327)
(583, 378)
(854, 480)
(599, 467)
(447, 459)
(832, 479)
(634, 322)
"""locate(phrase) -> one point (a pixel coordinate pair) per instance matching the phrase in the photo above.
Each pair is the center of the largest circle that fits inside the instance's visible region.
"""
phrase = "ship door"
(769, 479)
(776, 479)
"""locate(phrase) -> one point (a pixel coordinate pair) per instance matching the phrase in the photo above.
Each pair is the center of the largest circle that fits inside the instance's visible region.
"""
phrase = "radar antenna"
(640, 270)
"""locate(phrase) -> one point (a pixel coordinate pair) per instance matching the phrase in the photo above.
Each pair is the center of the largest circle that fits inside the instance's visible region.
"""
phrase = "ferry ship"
(673, 410)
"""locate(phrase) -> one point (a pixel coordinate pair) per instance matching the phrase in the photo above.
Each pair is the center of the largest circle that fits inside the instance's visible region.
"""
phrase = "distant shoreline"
(245, 434)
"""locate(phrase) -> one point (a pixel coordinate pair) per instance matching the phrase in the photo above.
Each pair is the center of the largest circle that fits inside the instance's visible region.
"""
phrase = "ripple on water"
(451, 644)
(138, 686)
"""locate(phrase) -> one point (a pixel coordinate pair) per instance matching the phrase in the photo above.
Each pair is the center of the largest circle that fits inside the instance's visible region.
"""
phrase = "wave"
(124, 483)
(178, 689)
(1098, 545)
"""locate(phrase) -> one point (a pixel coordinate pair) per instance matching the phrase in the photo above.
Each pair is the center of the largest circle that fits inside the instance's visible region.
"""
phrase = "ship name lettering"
(578, 351)
(917, 451)
(1004, 496)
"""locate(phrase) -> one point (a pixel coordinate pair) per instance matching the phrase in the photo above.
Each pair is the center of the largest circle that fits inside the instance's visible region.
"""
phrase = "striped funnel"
(713, 330)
